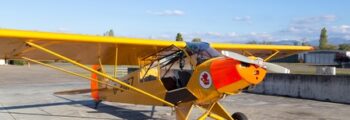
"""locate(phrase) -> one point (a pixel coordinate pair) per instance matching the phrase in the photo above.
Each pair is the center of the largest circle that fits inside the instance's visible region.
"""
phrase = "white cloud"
(341, 29)
(166, 36)
(229, 36)
(167, 13)
(302, 29)
(309, 27)
(293, 29)
(62, 30)
(329, 17)
(298, 29)
(216, 34)
(347, 37)
(232, 34)
(256, 36)
(314, 19)
(242, 18)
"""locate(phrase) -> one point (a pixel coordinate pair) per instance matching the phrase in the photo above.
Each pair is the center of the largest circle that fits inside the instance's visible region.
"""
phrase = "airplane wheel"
(239, 116)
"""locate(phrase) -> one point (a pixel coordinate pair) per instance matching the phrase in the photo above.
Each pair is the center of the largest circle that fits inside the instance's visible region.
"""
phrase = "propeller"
(260, 62)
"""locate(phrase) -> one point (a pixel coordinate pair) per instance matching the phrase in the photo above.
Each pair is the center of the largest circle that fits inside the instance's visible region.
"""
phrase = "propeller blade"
(238, 57)
(276, 68)
(269, 66)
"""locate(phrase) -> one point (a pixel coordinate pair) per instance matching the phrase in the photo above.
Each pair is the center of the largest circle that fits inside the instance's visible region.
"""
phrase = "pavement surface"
(27, 94)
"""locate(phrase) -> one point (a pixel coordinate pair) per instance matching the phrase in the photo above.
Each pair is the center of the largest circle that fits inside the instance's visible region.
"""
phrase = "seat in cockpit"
(176, 79)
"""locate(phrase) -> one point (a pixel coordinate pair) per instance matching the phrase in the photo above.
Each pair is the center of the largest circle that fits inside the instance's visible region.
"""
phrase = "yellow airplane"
(181, 75)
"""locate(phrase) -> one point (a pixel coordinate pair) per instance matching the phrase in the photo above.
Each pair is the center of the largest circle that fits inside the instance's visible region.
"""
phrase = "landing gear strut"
(239, 116)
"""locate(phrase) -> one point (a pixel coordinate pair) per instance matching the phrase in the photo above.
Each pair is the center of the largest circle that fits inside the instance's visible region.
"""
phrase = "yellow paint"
(101, 74)
(14, 39)
(145, 72)
(44, 45)
(216, 117)
(155, 87)
(225, 46)
(220, 112)
(128, 52)
(251, 74)
(44, 36)
(133, 41)
(269, 57)
(247, 52)
(116, 62)
(234, 88)
(48, 36)
(207, 113)
(217, 111)
(101, 65)
(204, 95)
(183, 110)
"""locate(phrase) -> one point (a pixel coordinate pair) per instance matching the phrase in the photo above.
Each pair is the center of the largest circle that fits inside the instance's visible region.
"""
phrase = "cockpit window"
(202, 51)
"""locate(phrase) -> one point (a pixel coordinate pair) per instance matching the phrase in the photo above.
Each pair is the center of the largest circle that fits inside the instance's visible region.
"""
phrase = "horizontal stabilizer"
(74, 92)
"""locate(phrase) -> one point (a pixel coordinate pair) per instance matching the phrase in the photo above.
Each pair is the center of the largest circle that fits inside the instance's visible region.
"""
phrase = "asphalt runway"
(27, 94)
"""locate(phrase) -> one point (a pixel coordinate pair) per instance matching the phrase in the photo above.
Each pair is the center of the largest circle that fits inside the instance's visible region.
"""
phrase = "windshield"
(202, 51)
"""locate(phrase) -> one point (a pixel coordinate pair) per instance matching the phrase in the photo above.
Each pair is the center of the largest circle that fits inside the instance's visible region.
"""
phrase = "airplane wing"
(89, 49)
(262, 51)
(86, 49)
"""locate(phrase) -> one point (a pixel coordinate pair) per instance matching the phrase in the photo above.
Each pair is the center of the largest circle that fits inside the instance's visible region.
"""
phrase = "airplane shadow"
(121, 113)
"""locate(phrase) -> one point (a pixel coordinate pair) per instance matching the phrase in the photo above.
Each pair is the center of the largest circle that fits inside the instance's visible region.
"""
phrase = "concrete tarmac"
(27, 94)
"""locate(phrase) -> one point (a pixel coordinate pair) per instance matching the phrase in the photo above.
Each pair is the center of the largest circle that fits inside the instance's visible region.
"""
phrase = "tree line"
(324, 45)
(323, 41)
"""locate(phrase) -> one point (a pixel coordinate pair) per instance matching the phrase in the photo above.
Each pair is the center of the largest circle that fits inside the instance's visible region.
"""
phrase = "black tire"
(239, 116)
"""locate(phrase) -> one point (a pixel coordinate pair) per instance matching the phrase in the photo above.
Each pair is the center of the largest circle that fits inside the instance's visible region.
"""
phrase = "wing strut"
(269, 57)
(215, 111)
(116, 62)
(70, 72)
(100, 73)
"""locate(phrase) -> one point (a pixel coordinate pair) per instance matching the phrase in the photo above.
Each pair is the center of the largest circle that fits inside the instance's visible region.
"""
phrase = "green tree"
(344, 46)
(109, 33)
(179, 37)
(323, 40)
(196, 40)
(330, 47)
(265, 42)
(296, 43)
(304, 42)
(252, 42)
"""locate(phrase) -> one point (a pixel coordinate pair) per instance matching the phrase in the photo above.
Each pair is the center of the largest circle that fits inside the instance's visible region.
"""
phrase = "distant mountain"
(286, 42)
(333, 41)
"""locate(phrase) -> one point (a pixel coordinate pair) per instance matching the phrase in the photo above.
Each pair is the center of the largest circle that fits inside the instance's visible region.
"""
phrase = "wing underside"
(83, 52)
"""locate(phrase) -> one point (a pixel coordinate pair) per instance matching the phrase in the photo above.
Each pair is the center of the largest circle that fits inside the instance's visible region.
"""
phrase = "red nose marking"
(223, 72)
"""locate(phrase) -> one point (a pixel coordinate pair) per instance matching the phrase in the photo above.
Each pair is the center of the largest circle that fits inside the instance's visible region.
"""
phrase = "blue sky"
(221, 20)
